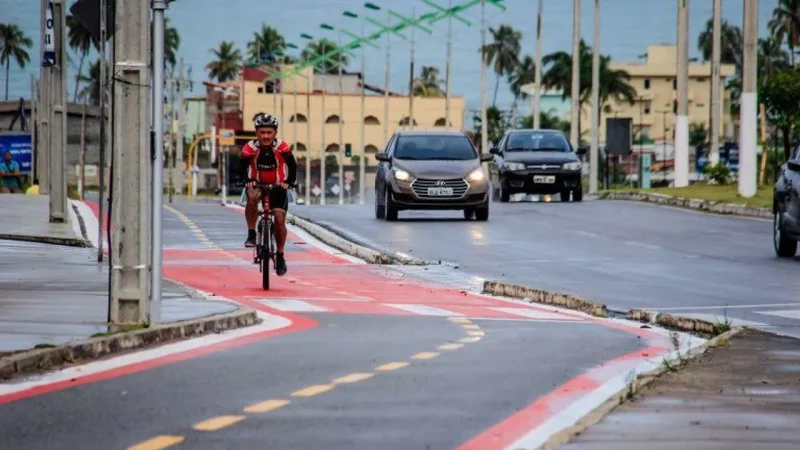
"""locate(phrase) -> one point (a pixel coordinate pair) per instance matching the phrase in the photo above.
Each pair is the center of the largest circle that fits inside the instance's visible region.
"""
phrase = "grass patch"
(38, 346)
(122, 330)
(727, 193)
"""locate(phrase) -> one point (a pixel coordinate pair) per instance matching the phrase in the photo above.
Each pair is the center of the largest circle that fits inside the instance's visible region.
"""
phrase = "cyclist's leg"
(251, 215)
(279, 204)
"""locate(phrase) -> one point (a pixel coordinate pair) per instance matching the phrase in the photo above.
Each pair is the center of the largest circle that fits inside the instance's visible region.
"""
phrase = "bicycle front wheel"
(266, 232)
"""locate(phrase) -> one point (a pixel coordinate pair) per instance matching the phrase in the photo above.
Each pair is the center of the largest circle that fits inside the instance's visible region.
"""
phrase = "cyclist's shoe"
(251, 239)
(280, 264)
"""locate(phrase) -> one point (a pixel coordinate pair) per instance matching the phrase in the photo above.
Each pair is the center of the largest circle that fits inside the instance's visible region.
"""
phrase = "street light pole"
(593, 153)
(362, 172)
(386, 91)
(341, 126)
(323, 120)
(748, 136)
(537, 102)
(682, 121)
(448, 68)
(574, 131)
(309, 90)
(713, 152)
(159, 6)
(484, 125)
(411, 78)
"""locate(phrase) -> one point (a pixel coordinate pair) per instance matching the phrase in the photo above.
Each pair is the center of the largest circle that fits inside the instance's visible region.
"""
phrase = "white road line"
(688, 308)
(293, 305)
(271, 322)
(90, 222)
(787, 313)
(643, 245)
(318, 299)
(533, 313)
(587, 233)
(424, 310)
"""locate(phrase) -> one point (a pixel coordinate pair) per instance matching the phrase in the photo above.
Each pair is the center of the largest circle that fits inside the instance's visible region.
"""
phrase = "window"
(674, 84)
(647, 109)
(431, 147)
(440, 122)
(406, 121)
(332, 119)
(647, 83)
(371, 120)
(261, 90)
(532, 141)
(300, 119)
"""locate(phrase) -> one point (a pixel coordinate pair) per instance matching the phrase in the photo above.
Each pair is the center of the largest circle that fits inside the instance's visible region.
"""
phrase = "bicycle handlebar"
(263, 185)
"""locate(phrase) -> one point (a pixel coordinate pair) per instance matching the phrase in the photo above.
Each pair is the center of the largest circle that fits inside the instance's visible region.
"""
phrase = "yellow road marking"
(312, 390)
(425, 355)
(353, 378)
(266, 406)
(157, 443)
(392, 366)
(471, 327)
(459, 320)
(469, 340)
(450, 346)
(476, 333)
(217, 423)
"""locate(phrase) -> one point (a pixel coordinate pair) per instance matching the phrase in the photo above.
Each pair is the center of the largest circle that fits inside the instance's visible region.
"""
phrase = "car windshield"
(537, 141)
(455, 148)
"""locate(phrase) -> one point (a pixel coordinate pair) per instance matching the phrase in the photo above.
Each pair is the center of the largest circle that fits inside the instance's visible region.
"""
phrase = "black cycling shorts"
(278, 198)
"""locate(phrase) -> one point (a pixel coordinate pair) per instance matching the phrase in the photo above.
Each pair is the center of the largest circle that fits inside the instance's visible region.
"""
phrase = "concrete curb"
(688, 203)
(532, 295)
(37, 360)
(626, 393)
(673, 322)
(70, 242)
(346, 245)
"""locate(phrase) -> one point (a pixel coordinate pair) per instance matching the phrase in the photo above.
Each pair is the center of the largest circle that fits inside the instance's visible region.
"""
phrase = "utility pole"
(101, 166)
(34, 127)
(182, 81)
(82, 179)
(574, 131)
(362, 172)
(173, 113)
(411, 77)
(448, 68)
(537, 102)
(713, 152)
(682, 120)
(45, 108)
(130, 283)
(309, 90)
(594, 160)
(294, 131)
(341, 126)
(748, 136)
(58, 129)
(386, 91)
(323, 122)
(484, 125)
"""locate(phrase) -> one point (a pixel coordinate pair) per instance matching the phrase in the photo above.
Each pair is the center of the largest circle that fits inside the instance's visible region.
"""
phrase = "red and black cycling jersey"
(273, 164)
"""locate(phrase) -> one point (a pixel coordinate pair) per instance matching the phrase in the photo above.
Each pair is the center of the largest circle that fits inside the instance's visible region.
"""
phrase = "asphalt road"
(436, 403)
(624, 254)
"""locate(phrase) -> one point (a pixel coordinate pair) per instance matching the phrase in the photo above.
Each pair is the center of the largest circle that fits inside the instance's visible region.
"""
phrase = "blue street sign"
(646, 162)
(21, 149)
(49, 56)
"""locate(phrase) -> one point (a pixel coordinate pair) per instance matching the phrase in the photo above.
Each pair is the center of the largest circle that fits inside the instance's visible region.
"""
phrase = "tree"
(697, 134)
(785, 25)
(226, 63)
(730, 43)
(266, 45)
(502, 53)
(771, 57)
(81, 41)
(91, 92)
(780, 94)
(547, 121)
(496, 125)
(13, 45)
(428, 84)
(315, 49)
(524, 72)
(172, 41)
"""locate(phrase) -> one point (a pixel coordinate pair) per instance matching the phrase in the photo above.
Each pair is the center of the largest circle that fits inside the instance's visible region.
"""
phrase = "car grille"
(421, 186)
(544, 166)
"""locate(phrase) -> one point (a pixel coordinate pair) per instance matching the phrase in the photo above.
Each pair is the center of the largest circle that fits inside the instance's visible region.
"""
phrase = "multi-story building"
(653, 111)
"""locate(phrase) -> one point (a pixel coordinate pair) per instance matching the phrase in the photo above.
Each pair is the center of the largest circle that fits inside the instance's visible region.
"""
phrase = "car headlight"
(476, 175)
(401, 175)
(572, 166)
(513, 166)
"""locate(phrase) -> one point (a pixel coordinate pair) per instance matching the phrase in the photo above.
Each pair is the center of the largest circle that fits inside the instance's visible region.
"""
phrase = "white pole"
(411, 77)
(593, 153)
(308, 137)
(386, 89)
(214, 143)
(323, 181)
(101, 166)
(574, 131)
(341, 127)
(537, 102)
(748, 136)
(682, 120)
(362, 172)
(448, 68)
(294, 131)
(158, 124)
(715, 85)
(58, 115)
(484, 125)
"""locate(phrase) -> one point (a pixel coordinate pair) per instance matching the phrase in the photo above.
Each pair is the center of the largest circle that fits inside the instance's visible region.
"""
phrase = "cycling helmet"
(265, 120)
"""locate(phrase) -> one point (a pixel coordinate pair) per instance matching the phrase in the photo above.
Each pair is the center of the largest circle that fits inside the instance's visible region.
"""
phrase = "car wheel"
(565, 195)
(577, 194)
(785, 247)
(504, 194)
(380, 210)
(469, 213)
(391, 210)
(482, 213)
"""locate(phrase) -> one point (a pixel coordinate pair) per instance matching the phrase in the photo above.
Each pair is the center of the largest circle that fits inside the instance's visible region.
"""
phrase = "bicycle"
(264, 251)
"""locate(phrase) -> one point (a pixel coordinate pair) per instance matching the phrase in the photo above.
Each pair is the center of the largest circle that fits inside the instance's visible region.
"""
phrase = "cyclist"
(270, 161)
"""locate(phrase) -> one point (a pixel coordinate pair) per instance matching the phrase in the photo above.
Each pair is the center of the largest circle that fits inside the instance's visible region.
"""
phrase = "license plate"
(544, 179)
(440, 192)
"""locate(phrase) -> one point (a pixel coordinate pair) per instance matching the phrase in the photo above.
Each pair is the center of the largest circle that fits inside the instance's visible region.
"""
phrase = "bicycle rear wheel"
(266, 232)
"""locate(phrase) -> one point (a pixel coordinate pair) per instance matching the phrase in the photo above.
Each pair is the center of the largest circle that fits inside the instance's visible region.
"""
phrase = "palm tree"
(81, 41)
(13, 44)
(323, 46)
(91, 92)
(226, 63)
(496, 124)
(547, 121)
(785, 25)
(266, 45)
(524, 72)
(428, 84)
(502, 53)
(771, 57)
(730, 43)
(172, 41)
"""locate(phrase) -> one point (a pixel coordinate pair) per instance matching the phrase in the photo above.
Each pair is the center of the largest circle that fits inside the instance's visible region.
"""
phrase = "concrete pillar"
(58, 125)
(682, 120)
(747, 134)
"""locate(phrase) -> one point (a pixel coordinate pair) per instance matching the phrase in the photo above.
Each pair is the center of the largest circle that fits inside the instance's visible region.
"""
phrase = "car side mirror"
(486, 157)
(793, 164)
(494, 151)
(582, 150)
(382, 156)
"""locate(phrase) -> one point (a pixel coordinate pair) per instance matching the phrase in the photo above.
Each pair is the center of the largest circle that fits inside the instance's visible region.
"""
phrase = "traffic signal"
(348, 150)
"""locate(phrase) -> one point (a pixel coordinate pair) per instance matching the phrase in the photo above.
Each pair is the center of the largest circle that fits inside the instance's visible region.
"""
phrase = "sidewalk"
(743, 395)
(53, 294)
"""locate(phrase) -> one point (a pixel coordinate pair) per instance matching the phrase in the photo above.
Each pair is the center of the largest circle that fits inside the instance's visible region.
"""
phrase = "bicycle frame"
(264, 224)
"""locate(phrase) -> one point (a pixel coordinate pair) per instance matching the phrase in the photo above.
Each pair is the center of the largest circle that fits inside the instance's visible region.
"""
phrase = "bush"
(719, 173)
